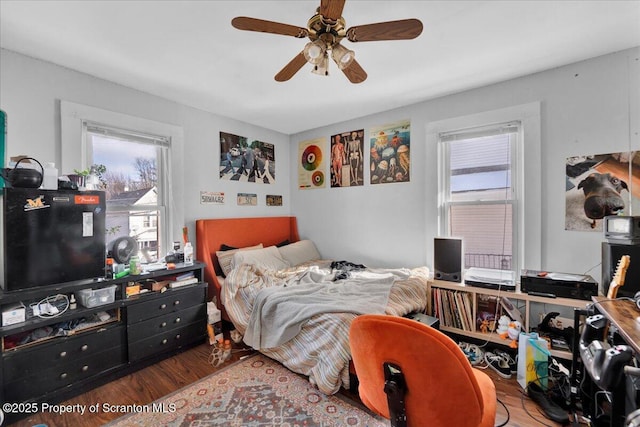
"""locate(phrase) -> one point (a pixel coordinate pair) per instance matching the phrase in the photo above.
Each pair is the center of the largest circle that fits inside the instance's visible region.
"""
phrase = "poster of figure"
(311, 164)
(347, 158)
(247, 162)
(390, 153)
(600, 185)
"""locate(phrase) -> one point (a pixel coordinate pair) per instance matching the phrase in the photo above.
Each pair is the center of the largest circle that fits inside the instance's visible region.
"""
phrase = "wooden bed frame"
(212, 233)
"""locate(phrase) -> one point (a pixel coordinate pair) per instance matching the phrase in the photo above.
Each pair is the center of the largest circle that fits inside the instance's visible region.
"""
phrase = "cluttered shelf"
(494, 315)
(79, 302)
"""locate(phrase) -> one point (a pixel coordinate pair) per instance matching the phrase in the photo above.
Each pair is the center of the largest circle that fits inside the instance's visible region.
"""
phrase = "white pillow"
(299, 252)
(268, 258)
(226, 257)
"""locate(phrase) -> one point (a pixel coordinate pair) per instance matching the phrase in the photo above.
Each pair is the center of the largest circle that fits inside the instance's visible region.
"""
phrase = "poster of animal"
(241, 160)
(311, 164)
(600, 185)
(347, 159)
(390, 153)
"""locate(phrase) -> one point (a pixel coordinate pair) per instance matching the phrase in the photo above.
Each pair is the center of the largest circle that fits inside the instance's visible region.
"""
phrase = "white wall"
(588, 107)
(30, 94)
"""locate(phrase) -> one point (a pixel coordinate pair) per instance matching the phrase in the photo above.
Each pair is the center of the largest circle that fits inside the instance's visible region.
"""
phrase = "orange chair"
(442, 389)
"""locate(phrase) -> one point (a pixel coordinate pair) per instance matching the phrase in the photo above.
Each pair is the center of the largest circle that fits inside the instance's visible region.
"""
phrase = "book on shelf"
(183, 282)
(453, 308)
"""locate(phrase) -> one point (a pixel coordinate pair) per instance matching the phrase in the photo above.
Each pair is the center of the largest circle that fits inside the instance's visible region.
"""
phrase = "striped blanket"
(321, 349)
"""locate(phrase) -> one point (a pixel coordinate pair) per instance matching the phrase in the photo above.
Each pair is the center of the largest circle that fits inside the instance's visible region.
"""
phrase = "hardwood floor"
(152, 383)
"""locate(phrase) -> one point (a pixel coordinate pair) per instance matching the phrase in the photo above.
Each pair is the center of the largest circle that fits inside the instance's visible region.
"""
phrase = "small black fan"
(123, 248)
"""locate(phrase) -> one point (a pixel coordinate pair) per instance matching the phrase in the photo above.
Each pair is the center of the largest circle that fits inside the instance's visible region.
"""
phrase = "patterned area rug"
(253, 392)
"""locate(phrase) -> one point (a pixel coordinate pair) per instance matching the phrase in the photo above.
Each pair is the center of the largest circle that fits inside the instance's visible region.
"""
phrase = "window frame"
(444, 185)
(76, 155)
(527, 180)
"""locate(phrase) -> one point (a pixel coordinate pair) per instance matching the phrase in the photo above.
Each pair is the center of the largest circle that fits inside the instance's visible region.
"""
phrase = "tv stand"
(131, 332)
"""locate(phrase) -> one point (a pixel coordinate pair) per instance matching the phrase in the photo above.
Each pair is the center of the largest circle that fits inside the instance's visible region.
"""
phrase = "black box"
(562, 285)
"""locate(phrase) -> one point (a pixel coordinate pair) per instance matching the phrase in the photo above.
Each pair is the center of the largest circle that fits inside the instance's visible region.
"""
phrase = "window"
(479, 200)
(144, 164)
(134, 194)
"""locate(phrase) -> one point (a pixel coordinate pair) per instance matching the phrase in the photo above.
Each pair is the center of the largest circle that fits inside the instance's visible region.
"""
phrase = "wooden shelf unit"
(517, 297)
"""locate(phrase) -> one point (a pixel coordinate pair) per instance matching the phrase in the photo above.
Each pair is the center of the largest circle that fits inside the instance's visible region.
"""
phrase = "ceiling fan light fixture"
(314, 51)
(322, 67)
(342, 56)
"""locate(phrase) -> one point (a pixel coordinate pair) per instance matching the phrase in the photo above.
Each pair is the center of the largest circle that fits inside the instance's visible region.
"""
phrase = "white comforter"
(313, 337)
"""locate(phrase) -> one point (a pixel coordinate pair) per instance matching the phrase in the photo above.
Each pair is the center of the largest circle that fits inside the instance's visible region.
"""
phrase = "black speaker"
(447, 259)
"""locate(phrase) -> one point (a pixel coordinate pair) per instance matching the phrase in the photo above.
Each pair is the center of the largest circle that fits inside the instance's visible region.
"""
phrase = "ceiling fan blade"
(404, 29)
(254, 24)
(355, 73)
(331, 9)
(291, 68)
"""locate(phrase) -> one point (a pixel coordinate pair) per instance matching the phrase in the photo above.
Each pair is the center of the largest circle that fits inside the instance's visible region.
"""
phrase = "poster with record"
(311, 161)
(390, 153)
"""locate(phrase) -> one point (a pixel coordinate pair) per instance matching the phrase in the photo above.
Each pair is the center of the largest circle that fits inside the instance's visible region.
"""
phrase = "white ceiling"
(187, 51)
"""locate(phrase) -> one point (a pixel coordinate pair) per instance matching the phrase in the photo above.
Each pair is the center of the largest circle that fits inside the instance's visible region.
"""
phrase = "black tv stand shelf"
(141, 330)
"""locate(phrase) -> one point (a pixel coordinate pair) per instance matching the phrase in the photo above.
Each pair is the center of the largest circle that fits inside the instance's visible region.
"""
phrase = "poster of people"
(347, 159)
(600, 185)
(311, 161)
(390, 153)
(244, 161)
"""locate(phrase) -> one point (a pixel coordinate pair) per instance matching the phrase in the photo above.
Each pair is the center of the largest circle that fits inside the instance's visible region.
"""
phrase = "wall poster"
(347, 159)
(600, 185)
(311, 164)
(390, 153)
(247, 162)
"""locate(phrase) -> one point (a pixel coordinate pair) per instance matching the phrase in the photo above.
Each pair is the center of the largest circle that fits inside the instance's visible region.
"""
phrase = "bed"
(292, 304)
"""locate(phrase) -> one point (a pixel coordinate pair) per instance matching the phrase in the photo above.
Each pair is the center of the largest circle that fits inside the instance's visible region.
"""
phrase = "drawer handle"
(163, 306)
(84, 348)
(178, 320)
(63, 375)
(177, 302)
(85, 368)
(163, 324)
(164, 341)
(63, 354)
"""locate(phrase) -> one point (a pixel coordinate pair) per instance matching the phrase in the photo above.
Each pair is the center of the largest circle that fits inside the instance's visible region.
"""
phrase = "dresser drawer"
(166, 341)
(166, 322)
(176, 300)
(20, 363)
(51, 378)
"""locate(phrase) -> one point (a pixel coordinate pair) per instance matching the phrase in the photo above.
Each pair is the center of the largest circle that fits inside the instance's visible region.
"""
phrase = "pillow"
(269, 258)
(226, 257)
(299, 252)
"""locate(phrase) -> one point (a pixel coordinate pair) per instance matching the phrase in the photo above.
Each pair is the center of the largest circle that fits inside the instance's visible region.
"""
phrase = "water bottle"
(50, 177)
(188, 253)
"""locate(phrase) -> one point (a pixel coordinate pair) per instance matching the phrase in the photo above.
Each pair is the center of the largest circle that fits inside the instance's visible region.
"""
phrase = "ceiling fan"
(325, 30)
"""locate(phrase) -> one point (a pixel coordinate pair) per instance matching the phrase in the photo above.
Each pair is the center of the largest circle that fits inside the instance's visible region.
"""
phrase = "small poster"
(247, 199)
(311, 164)
(347, 169)
(390, 153)
(211, 198)
(274, 200)
(241, 160)
(600, 185)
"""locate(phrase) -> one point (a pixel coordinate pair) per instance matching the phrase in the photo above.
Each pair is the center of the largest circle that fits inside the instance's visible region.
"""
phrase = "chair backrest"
(442, 389)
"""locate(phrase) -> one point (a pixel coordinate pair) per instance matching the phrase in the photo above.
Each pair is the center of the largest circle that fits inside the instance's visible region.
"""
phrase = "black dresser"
(131, 332)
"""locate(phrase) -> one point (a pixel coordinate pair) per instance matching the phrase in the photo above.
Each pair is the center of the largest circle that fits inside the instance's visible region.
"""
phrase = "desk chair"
(440, 386)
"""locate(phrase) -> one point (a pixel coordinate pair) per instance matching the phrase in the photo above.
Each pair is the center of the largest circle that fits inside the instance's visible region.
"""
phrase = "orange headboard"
(211, 234)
